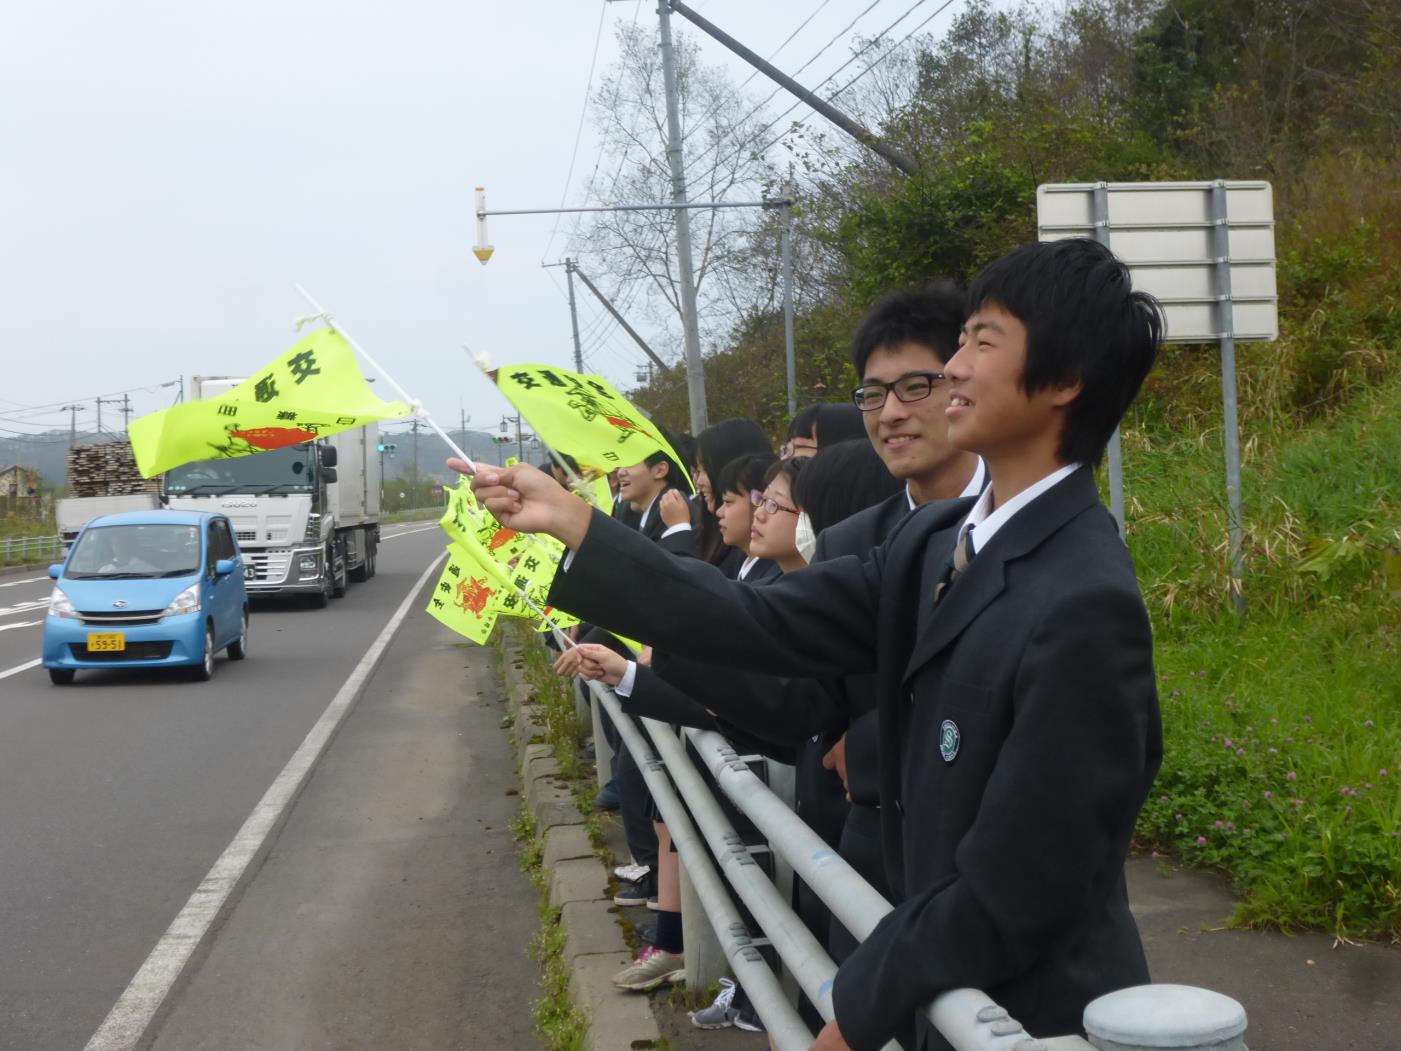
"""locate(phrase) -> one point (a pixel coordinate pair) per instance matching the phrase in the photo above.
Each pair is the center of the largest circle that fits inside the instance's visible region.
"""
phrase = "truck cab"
(306, 516)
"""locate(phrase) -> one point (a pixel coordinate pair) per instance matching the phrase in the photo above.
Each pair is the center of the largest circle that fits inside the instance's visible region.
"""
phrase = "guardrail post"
(1165, 1018)
(602, 750)
(783, 782)
(705, 959)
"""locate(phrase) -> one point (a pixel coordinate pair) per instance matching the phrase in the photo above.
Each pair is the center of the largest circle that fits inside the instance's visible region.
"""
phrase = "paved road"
(118, 793)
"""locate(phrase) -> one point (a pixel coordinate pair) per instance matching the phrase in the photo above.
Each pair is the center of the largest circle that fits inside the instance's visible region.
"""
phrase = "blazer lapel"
(985, 576)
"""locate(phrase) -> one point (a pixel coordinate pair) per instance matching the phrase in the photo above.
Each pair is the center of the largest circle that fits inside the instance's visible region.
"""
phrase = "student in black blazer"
(1019, 723)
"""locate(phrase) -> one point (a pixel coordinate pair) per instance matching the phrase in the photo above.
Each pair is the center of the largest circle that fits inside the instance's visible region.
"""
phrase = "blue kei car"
(147, 589)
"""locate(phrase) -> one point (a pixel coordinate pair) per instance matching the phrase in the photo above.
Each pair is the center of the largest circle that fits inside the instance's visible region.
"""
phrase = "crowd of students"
(922, 605)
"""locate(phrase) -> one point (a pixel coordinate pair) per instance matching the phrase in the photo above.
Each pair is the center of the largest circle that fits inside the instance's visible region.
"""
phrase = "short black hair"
(930, 315)
(801, 425)
(743, 474)
(1084, 323)
(722, 442)
(837, 423)
(841, 480)
(676, 478)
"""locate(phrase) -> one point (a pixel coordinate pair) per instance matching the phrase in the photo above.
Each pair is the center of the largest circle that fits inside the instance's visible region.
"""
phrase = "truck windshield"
(277, 471)
(127, 551)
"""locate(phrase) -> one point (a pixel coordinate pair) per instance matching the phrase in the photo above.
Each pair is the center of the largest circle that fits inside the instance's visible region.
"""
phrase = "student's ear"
(1065, 392)
(661, 470)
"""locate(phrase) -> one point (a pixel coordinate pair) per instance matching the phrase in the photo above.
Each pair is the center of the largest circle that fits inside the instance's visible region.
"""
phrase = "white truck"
(102, 480)
(306, 516)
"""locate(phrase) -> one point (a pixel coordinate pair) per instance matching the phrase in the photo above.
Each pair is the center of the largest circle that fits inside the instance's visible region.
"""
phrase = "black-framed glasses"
(912, 386)
(770, 505)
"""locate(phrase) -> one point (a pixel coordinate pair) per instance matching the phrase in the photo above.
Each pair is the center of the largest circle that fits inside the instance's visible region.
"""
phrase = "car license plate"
(106, 641)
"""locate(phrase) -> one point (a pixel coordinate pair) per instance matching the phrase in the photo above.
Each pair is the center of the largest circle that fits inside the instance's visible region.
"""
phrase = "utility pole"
(73, 411)
(621, 320)
(574, 316)
(106, 401)
(414, 427)
(126, 411)
(695, 367)
(786, 251)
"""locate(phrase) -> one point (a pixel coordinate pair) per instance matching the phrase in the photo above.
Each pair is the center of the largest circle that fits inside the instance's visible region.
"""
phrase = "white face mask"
(805, 537)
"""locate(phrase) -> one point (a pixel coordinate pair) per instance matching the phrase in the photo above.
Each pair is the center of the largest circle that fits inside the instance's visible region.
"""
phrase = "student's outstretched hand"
(593, 662)
(528, 500)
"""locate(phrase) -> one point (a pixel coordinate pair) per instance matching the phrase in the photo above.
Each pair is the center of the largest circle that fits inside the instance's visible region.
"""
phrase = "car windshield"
(129, 551)
(277, 471)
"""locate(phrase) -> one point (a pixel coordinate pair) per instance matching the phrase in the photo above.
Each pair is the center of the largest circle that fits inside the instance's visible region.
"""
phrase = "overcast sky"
(169, 170)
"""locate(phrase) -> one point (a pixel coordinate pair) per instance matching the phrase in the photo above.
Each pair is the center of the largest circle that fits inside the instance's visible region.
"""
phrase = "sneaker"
(607, 798)
(721, 1014)
(632, 873)
(639, 893)
(747, 1020)
(651, 969)
(646, 932)
(652, 903)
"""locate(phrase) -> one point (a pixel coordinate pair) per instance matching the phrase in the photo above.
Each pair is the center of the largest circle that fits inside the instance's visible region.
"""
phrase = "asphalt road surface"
(119, 792)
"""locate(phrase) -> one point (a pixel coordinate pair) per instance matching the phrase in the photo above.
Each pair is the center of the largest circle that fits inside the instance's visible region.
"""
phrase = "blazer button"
(900, 807)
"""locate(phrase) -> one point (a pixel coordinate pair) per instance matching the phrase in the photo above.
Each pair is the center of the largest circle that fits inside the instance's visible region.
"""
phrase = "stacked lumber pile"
(107, 469)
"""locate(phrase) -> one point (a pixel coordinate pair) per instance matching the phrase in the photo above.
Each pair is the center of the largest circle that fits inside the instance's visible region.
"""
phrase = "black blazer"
(1019, 734)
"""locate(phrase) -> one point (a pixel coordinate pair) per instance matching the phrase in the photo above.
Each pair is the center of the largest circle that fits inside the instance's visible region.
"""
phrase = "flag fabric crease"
(314, 390)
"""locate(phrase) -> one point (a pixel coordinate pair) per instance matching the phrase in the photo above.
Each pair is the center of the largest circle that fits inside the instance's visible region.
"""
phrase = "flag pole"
(418, 408)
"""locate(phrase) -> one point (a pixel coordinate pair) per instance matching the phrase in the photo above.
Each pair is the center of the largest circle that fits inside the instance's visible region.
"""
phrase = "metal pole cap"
(1180, 1017)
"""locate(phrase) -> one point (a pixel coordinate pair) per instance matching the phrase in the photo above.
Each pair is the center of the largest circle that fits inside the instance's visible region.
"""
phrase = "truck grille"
(135, 651)
(268, 566)
(127, 618)
(247, 534)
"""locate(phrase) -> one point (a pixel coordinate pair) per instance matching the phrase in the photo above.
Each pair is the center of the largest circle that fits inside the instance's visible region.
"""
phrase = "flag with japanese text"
(314, 390)
(462, 598)
(465, 517)
(583, 416)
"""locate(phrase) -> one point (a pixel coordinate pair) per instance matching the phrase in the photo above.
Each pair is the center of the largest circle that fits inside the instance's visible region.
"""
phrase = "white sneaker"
(632, 873)
(720, 1014)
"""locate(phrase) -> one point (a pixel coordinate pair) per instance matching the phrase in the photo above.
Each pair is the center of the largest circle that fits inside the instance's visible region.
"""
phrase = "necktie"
(957, 562)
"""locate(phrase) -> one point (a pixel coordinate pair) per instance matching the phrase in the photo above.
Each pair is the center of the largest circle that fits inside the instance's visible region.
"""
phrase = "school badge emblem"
(949, 739)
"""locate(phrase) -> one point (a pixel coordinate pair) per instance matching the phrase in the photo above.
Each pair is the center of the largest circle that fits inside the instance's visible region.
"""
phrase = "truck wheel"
(204, 670)
(364, 570)
(370, 564)
(61, 676)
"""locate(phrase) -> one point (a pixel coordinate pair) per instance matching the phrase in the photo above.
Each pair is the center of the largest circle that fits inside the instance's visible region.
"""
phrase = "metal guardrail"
(1166, 1016)
(21, 549)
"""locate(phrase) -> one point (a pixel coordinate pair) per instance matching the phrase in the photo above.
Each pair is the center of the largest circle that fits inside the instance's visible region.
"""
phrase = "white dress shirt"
(973, 488)
(983, 522)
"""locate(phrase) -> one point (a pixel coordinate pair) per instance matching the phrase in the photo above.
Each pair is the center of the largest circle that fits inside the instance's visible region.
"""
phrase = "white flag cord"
(417, 405)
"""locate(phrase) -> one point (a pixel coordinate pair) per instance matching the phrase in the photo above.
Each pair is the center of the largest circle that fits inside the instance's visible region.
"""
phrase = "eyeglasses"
(793, 448)
(913, 386)
(770, 506)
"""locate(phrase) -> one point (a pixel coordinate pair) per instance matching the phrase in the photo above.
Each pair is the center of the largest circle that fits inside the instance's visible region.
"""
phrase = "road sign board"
(1166, 234)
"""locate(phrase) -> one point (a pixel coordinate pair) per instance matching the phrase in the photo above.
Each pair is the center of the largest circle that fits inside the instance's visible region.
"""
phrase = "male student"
(1019, 722)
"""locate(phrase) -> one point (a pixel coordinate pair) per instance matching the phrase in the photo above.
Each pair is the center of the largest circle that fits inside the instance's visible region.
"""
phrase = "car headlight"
(185, 602)
(60, 605)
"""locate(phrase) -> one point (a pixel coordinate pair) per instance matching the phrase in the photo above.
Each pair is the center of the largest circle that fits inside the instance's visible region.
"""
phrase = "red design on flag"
(501, 538)
(275, 437)
(472, 595)
(624, 424)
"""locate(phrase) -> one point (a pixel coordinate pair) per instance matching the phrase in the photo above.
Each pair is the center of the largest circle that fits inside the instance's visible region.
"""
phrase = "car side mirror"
(328, 475)
(223, 567)
(329, 456)
(55, 570)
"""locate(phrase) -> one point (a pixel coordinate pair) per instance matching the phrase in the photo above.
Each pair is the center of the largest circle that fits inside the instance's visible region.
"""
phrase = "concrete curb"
(594, 949)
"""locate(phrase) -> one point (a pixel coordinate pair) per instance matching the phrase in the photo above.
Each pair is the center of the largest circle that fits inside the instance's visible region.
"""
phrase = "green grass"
(1282, 727)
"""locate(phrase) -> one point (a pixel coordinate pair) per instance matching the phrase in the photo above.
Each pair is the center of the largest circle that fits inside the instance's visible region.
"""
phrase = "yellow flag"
(582, 415)
(465, 517)
(462, 597)
(314, 390)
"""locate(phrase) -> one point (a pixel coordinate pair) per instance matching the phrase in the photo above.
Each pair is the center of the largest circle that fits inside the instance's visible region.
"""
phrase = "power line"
(768, 98)
(893, 50)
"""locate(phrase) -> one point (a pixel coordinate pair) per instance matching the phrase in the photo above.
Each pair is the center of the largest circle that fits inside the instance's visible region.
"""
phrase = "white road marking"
(411, 532)
(20, 624)
(20, 667)
(127, 1022)
(24, 607)
(26, 580)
